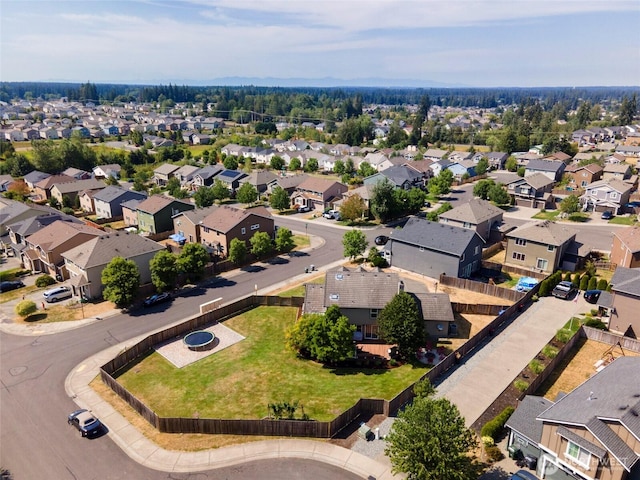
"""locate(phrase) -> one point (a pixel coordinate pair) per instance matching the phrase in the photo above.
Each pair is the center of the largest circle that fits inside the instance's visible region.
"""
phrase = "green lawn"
(624, 220)
(547, 215)
(241, 380)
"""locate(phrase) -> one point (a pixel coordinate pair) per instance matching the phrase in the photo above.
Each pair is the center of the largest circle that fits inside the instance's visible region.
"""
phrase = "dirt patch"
(468, 324)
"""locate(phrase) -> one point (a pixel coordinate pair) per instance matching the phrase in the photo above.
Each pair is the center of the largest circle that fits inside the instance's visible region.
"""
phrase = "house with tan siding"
(539, 246)
(625, 250)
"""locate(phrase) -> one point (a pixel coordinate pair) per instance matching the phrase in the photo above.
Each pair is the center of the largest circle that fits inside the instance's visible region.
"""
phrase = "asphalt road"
(35, 440)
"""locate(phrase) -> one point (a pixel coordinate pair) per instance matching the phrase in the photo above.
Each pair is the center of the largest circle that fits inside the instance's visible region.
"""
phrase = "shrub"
(488, 441)
(593, 283)
(534, 297)
(379, 261)
(494, 453)
(545, 288)
(521, 385)
(26, 308)
(593, 312)
(550, 351)
(602, 284)
(564, 335)
(584, 282)
(567, 277)
(595, 323)
(576, 280)
(44, 281)
(535, 366)
(493, 428)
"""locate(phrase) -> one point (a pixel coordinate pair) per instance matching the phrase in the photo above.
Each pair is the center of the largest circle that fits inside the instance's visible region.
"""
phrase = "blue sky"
(483, 43)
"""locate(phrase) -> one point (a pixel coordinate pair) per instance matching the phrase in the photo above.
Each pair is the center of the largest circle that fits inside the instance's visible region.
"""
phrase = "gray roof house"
(433, 249)
(476, 214)
(625, 291)
(402, 177)
(532, 191)
(259, 179)
(361, 294)
(549, 168)
(525, 432)
(108, 201)
(206, 175)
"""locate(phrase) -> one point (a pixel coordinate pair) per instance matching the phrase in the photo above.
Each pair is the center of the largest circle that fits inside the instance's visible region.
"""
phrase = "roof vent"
(339, 276)
(334, 297)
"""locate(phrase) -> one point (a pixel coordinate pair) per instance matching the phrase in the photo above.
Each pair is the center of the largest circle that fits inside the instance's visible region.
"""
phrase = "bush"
(550, 351)
(534, 297)
(595, 323)
(488, 441)
(44, 281)
(602, 284)
(535, 366)
(564, 335)
(379, 262)
(493, 428)
(593, 283)
(26, 308)
(521, 385)
(567, 277)
(576, 280)
(584, 282)
(545, 288)
(494, 453)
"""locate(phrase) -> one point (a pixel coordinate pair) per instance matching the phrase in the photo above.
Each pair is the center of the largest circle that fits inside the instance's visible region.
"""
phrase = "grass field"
(624, 220)
(241, 380)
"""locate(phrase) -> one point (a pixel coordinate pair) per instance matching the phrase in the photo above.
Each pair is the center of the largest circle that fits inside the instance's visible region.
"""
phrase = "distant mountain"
(326, 82)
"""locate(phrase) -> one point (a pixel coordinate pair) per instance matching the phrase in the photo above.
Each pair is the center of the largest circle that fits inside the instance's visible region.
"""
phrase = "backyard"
(241, 380)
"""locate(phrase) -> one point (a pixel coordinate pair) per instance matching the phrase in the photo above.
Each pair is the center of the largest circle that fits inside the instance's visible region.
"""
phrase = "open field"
(239, 381)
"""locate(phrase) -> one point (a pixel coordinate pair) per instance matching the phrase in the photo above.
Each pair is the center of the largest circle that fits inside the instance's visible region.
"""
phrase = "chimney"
(400, 286)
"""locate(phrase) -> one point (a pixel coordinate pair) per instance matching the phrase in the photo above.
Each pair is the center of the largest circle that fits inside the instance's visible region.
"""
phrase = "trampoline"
(198, 340)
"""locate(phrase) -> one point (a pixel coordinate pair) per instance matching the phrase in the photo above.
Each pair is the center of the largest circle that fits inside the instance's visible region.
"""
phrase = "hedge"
(493, 428)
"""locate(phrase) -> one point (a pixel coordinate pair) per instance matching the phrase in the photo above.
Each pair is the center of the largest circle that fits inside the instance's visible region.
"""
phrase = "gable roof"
(155, 203)
(57, 233)
(166, 169)
(592, 168)
(52, 180)
(31, 225)
(546, 232)
(209, 171)
(626, 280)
(435, 306)
(630, 238)
(399, 174)
(225, 217)
(538, 180)
(543, 165)
(79, 185)
(102, 249)
(112, 192)
(475, 211)
(435, 236)
(315, 184)
(290, 181)
(613, 184)
(360, 288)
(523, 420)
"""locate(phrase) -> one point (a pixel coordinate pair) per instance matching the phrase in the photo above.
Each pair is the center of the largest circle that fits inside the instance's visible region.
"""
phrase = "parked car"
(157, 298)
(607, 215)
(592, 296)
(332, 214)
(9, 285)
(564, 290)
(381, 240)
(57, 294)
(85, 422)
(304, 209)
(523, 475)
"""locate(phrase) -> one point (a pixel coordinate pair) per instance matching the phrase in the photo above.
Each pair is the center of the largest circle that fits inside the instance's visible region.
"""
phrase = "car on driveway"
(304, 209)
(9, 285)
(85, 422)
(332, 214)
(564, 290)
(381, 240)
(157, 298)
(606, 215)
(523, 475)
(592, 296)
(56, 294)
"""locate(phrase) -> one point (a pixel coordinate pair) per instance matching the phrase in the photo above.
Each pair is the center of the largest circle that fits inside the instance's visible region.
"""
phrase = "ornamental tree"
(121, 281)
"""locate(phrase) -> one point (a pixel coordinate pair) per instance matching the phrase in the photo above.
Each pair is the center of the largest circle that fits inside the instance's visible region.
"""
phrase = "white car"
(332, 214)
(57, 294)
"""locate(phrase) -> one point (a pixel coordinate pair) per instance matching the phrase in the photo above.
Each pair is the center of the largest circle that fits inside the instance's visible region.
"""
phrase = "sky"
(475, 43)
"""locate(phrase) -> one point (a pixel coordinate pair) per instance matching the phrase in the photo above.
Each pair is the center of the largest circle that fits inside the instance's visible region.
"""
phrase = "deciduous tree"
(247, 193)
(237, 251)
(220, 190)
(353, 208)
(279, 199)
(121, 281)
(400, 323)
(261, 244)
(192, 260)
(164, 270)
(355, 243)
(284, 240)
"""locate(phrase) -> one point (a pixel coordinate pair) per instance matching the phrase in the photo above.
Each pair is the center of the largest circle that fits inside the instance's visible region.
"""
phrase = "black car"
(9, 285)
(592, 296)
(381, 240)
(606, 215)
(85, 422)
(157, 298)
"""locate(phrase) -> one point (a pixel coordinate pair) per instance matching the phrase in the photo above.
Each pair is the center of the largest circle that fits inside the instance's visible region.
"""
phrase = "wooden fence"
(511, 295)
(491, 250)
(605, 265)
(477, 308)
(609, 338)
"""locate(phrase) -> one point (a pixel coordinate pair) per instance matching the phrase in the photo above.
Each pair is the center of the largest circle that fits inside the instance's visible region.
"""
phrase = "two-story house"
(476, 214)
(71, 190)
(361, 294)
(225, 223)
(400, 176)
(625, 302)
(186, 225)
(259, 179)
(549, 168)
(156, 212)
(582, 175)
(206, 176)
(108, 201)
(432, 249)
(318, 193)
(105, 171)
(532, 191)
(164, 173)
(42, 189)
(625, 250)
(591, 433)
(539, 246)
(606, 195)
(616, 171)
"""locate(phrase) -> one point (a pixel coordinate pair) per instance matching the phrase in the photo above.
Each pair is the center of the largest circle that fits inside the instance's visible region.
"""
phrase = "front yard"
(240, 381)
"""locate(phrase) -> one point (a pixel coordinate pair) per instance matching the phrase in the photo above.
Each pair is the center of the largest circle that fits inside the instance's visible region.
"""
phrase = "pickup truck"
(564, 290)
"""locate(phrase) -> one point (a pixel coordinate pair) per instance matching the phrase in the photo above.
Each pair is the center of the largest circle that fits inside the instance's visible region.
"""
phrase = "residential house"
(20, 230)
(87, 204)
(378, 161)
(130, 212)
(288, 183)
(532, 191)
(400, 176)
(206, 175)
(476, 214)
(318, 193)
(71, 190)
(76, 173)
(111, 170)
(604, 195)
(42, 189)
(185, 174)
(432, 249)
(226, 223)
(361, 294)
(32, 178)
(231, 178)
(260, 179)
(539, 246)
(44, 249)
(591, 433)
(625, 291)
(108, 201)
(156, 212)
(186, 225)
(549, 168)
(625, 250)
(560, 157)
(86, 262)
(619, 171)
(163, 173)
(583, 175)
(12, 211)
(435, 154)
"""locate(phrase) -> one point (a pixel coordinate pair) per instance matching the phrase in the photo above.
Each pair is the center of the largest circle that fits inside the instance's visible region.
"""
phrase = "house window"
(521, 242)
(550, 248)
(476, 250)
(373, 313)
(466, 225)
(542, 264)
(243, 230)
(255, 227)
(518, 256)
(578, 454)
(613, 195)
(371, 332)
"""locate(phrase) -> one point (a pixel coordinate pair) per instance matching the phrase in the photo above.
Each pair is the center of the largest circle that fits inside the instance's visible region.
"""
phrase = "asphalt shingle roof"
(547, 233)
(475, 211)
(626, 280)
(630, 238)
(435, 236)
(224, 218)
(523, 420)
(110, 193)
